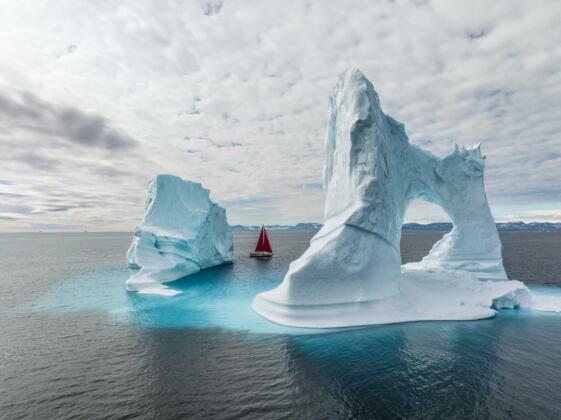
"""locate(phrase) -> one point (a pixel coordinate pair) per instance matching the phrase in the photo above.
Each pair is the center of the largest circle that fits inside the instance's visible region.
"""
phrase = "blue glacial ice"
(182, 232)
(351, 274)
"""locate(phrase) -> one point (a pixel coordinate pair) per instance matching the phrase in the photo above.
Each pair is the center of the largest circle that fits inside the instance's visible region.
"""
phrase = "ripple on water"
(87, 348)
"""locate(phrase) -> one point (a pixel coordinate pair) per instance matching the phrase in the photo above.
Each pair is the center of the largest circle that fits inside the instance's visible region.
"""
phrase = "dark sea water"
(74, 344)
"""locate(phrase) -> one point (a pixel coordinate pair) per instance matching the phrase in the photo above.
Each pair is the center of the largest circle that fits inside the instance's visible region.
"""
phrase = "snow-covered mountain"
(300, 227)
(413, 227)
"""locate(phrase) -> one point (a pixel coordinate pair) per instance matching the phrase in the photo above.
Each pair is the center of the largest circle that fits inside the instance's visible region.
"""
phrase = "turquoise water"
(75, 344)
(215, 298)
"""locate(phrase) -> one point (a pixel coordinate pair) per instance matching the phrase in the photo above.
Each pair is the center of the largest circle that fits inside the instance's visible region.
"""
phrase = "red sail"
(266, 244)
(263, 244)
(259, 245)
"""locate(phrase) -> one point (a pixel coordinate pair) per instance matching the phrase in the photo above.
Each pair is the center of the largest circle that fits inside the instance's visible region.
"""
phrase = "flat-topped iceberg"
(351, 274)
(182, 232)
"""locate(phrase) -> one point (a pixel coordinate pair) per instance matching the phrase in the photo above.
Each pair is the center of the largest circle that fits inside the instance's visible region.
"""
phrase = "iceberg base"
(424, 295)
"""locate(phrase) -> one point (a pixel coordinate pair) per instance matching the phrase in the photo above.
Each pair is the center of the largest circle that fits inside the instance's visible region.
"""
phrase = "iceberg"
(182, 232)
(351, 274)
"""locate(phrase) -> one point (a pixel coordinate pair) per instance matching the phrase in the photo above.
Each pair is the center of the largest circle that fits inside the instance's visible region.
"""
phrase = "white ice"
(182, 232)
(545, 299)
(351, 274)
(424, 296)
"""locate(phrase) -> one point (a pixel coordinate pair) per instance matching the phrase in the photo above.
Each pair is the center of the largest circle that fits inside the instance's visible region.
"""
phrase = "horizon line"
(276, 224)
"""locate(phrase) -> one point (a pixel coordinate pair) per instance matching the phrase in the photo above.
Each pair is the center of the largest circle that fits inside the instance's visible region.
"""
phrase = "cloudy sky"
(96, 97)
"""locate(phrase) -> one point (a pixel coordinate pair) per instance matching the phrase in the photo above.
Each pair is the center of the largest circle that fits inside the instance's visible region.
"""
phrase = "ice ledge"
(424, 295)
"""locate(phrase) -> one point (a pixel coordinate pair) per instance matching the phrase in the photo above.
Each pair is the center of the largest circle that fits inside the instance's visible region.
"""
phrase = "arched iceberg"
(351, 274)
(182, 232)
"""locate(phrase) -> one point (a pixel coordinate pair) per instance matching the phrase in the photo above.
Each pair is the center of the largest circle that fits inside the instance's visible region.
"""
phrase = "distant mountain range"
(300, 227)
(529, 227)
(501, 227)
(413, 227)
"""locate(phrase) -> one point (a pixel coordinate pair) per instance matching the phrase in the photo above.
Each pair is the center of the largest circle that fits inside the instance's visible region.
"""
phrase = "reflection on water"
(83, 347)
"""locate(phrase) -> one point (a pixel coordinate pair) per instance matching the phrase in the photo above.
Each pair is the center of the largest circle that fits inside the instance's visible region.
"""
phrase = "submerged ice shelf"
(182, 232)
(215, 298)
(351, 274)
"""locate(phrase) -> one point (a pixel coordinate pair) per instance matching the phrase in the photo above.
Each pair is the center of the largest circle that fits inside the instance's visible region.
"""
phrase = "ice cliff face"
(372, 173)
(182, 232)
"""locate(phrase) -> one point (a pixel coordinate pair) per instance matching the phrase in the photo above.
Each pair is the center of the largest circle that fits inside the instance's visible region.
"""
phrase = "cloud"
(37, 161)
(551, 215)
(211, 8)
(17, 209)
(62, 208)
(476, 35)
(110, 172)
(109, 98)
(228, 144)
(11, 195)
(28, 113)
(92, 131)
(311, 186)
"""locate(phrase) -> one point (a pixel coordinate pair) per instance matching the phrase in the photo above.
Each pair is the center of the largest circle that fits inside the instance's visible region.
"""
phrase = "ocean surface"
(74, 344)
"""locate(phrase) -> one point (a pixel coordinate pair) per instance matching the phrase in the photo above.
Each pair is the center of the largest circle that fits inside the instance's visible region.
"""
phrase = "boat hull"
(261, 254)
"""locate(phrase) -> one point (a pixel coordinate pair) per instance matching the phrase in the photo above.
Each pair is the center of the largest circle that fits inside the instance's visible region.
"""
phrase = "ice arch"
(456, 184)
(372, 173)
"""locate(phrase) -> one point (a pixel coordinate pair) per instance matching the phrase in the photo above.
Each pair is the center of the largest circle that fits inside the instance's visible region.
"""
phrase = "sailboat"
(263, 248)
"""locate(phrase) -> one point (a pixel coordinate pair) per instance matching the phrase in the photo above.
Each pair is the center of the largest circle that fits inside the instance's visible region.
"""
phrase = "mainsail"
(263, 244)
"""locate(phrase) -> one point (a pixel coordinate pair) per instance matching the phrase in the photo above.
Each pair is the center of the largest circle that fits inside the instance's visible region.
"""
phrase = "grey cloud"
(27, 107)
(477, 34)
(62, 208)
(39, 162)
(211, 8)
(228, 144)
(56, 206)
(17, 208)
(31, 114)
(59, 208)
(92, 130)
(110, 172)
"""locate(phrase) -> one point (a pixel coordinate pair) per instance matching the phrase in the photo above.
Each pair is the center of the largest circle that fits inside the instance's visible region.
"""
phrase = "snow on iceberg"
(182, 232)
(351, 274)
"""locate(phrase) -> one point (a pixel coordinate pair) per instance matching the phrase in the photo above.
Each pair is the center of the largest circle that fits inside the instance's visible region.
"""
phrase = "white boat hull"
(261, 254)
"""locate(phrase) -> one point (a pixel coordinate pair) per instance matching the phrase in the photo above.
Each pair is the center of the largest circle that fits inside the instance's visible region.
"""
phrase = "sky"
(97, 97)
